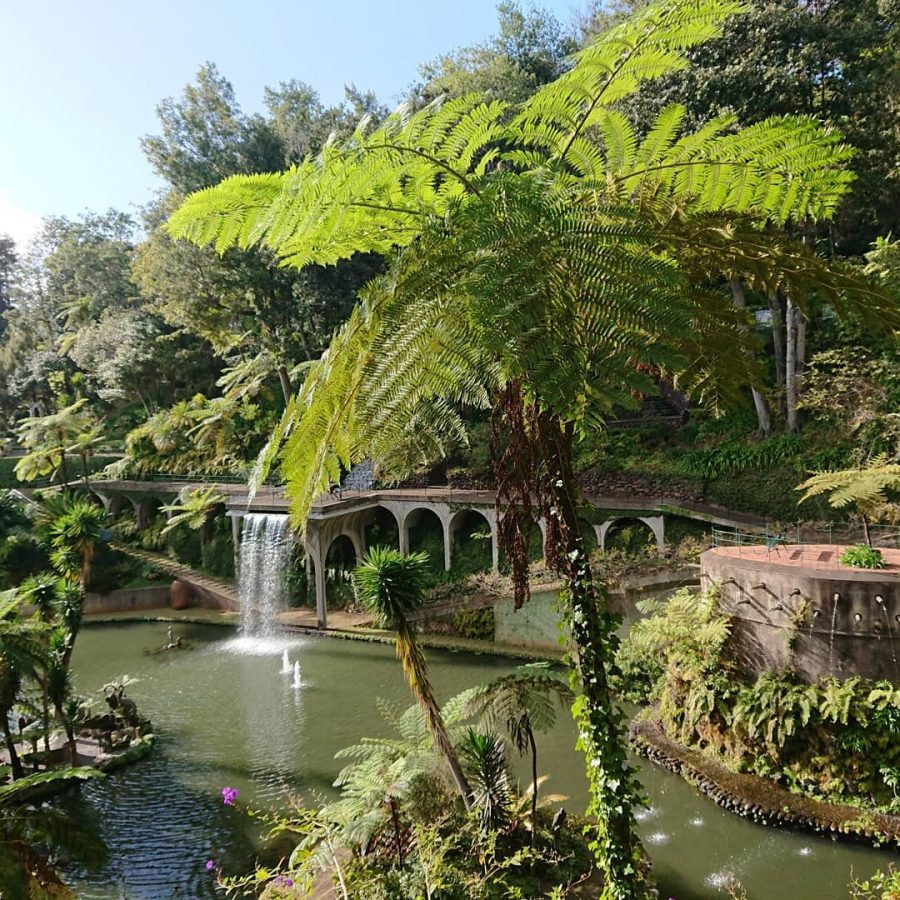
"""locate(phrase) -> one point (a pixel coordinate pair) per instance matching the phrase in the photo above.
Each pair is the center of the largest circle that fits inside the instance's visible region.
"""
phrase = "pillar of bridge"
(491, 516)
(315, 551)
(448, 542)
(542, 527)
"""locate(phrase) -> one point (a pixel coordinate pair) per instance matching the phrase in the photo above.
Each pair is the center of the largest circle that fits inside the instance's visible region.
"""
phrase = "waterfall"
(266, 545)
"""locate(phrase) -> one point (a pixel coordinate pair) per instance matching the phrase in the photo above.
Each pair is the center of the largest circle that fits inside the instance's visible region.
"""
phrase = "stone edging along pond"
(760, 799)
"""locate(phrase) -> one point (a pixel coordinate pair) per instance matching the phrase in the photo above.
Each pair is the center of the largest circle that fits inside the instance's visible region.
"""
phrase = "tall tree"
(244, 304)
(8, 260)
(531, 48)
(550, 264)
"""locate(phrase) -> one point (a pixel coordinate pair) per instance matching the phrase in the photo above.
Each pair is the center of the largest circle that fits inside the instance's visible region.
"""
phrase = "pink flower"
(210, 865)
(229, 795)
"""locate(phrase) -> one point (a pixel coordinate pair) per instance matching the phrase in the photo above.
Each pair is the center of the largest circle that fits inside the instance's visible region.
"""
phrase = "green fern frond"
(862, 487)
(649, 44)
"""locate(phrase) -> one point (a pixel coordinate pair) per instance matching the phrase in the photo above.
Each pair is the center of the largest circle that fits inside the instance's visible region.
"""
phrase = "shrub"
(477, 624)
(863, 557)
(835, 739)
(881, 886)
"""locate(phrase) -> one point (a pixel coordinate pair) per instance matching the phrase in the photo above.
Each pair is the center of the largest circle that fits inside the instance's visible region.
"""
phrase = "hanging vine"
(532, 460)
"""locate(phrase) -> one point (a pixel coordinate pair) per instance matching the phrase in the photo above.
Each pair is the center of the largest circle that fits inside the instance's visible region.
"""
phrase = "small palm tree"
(381, 771)
(392, 587)
(22, 652)
(59, 685)
(85, 444)
(43, 590)
(74, 536)
(25, 870)
(524, 702)
(49, 438)
(485, 755)
(194, 508)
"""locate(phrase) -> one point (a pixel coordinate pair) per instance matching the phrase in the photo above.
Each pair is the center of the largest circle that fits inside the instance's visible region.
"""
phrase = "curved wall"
(796, 606)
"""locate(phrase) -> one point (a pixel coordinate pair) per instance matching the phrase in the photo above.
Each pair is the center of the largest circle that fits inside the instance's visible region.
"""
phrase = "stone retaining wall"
(759, 799)
(126, 600)
(793, 612)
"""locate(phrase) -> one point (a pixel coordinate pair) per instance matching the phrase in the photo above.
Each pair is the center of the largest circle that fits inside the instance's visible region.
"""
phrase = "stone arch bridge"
(348, 516)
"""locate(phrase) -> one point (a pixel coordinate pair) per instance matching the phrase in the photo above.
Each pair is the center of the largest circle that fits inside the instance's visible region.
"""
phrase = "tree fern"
(547, 263)
(864, 487)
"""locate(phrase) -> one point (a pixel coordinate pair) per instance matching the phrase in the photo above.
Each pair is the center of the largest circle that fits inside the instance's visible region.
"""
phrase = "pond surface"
(225, 714)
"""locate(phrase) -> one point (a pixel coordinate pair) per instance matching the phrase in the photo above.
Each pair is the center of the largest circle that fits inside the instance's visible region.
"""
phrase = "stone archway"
(469, 528)
(340, 559)
(147, 509)
(382, 529)
(655, 525)
(422, 529)
(116, 504)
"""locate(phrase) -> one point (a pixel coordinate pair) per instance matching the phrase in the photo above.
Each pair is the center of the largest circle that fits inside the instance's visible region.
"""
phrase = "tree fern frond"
(649, 44)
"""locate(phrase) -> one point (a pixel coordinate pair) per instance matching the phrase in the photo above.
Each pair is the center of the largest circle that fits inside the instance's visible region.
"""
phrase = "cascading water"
(266, 545)
(837, 598)
(887, 621)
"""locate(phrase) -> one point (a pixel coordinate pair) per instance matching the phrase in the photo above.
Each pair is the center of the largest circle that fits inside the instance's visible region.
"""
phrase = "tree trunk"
(398, 835)
(84, 470)
(614, 790)
(790, 369)
(534, 785)
(64, 471)
(415, 667)
(800, 364)
(87, 570)
(45, 716)
(70, 738)
(777, 336)
(866, 536)
(14, 762)
(70, 733)
(763, 416)
(285, 384)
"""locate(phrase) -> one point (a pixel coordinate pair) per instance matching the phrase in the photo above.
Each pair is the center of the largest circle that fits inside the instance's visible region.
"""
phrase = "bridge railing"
(180, 478)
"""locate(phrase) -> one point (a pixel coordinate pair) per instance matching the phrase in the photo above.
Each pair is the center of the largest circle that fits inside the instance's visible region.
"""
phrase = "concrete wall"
(131, 599)
(126, 600)
(206, 598)
(534, 625)
(833, 618)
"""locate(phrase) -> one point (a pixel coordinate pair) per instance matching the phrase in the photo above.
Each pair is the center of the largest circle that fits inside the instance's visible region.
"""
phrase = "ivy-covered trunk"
(532, 453)
(601, 724)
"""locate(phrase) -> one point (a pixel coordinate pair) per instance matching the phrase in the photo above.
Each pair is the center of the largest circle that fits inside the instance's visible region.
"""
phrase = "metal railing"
(846, 533)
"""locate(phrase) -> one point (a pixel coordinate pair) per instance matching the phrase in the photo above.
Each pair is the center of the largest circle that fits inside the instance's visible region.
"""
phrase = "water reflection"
(227, 715)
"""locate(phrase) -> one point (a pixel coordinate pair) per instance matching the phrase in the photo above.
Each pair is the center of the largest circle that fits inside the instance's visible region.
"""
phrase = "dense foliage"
(398, 830)
(834, 739)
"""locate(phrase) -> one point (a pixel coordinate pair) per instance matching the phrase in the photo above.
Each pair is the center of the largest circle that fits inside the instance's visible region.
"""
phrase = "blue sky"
(81, 80)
